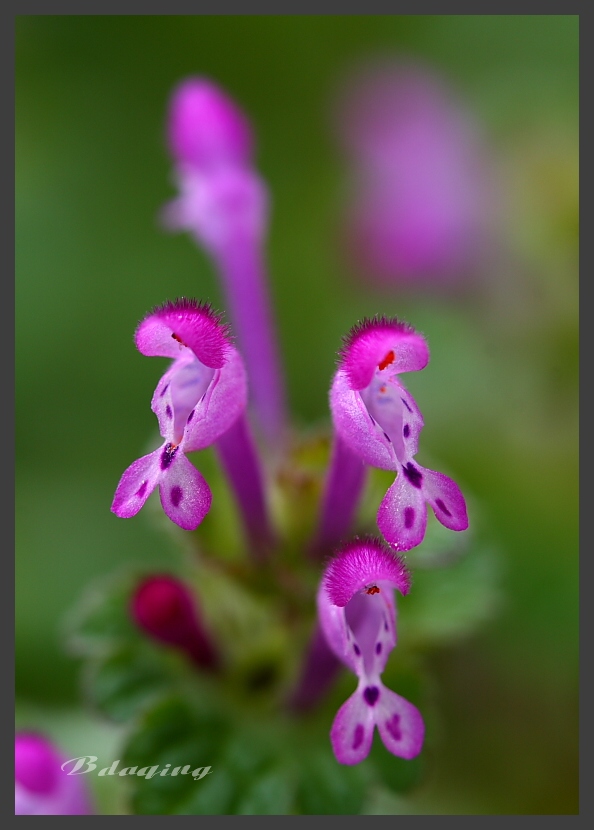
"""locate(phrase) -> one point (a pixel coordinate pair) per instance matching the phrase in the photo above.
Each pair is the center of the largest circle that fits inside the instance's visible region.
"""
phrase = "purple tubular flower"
(224, 204)
(357, 613)
(318, 672)
(163, 607)
(42, 788)
(196, 401)
(224, 135)
(342, 491)
(421, 192)
(239, 458)
(379, 419)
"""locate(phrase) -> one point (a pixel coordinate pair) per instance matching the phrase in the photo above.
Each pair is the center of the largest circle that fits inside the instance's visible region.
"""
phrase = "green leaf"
(383, 802)
(126, 680)
(210, 796)
(329, 788)
(102, 620)
(271, 794)
(172, 723)
(170, 734)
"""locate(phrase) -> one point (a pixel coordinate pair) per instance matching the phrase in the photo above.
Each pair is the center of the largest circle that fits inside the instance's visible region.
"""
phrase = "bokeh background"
(499, 396)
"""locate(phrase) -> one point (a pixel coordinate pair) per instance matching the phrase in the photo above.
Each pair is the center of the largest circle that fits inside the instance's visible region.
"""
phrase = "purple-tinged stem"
(238, 455)
(344, 485)
(244, 278)
(319, 671)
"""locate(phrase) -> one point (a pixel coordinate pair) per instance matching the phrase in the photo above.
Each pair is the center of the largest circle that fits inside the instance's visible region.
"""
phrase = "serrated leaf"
(247, 753)
(172, 734)
(329, 788)
(170, 722)
(124, 681)
(210, 796)
(271, 794)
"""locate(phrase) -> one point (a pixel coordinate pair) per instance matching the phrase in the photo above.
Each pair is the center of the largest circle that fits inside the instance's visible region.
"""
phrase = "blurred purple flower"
(41, 787)
(420, 196)
(223, 203)
(206, 129)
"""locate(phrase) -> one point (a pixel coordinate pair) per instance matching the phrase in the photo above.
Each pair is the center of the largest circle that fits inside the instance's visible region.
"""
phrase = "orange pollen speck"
(383, 388)
(373, 590)
(389, 358)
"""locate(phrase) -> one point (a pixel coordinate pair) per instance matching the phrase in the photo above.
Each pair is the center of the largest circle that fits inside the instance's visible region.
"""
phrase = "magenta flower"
(41, 787)
(421, 198)
(357, 613)
(206, 130)
(375, 415)
(163, 607)
(223, 203)
(197, 400)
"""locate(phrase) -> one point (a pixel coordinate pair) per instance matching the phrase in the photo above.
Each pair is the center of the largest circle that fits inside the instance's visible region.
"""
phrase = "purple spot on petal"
(168, 411)
(167, 456)
(165, 388)
(409, 517)
(371, 695)
(406, 431)
(176, 495)
(378, 648)
(356, 649)
(142, 489)
(386, 626)
(413, 475)
(358, 736)
(442, 507)
(191, 415)
(393, 728)
(406, 405)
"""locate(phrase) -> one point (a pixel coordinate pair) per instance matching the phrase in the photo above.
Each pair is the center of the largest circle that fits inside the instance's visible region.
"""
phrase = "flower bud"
(164, 608)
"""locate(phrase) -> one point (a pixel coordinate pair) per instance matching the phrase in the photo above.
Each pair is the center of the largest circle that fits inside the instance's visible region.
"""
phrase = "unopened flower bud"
(164, 608)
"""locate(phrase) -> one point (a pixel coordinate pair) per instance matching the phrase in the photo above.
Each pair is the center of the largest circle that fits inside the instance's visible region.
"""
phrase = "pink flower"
(197, 400)
(357, 614)
(206, 129)
(376, 416)
(42, 788)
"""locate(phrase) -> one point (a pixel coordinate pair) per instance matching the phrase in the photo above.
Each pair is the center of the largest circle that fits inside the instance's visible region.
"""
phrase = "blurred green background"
(499, 396)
